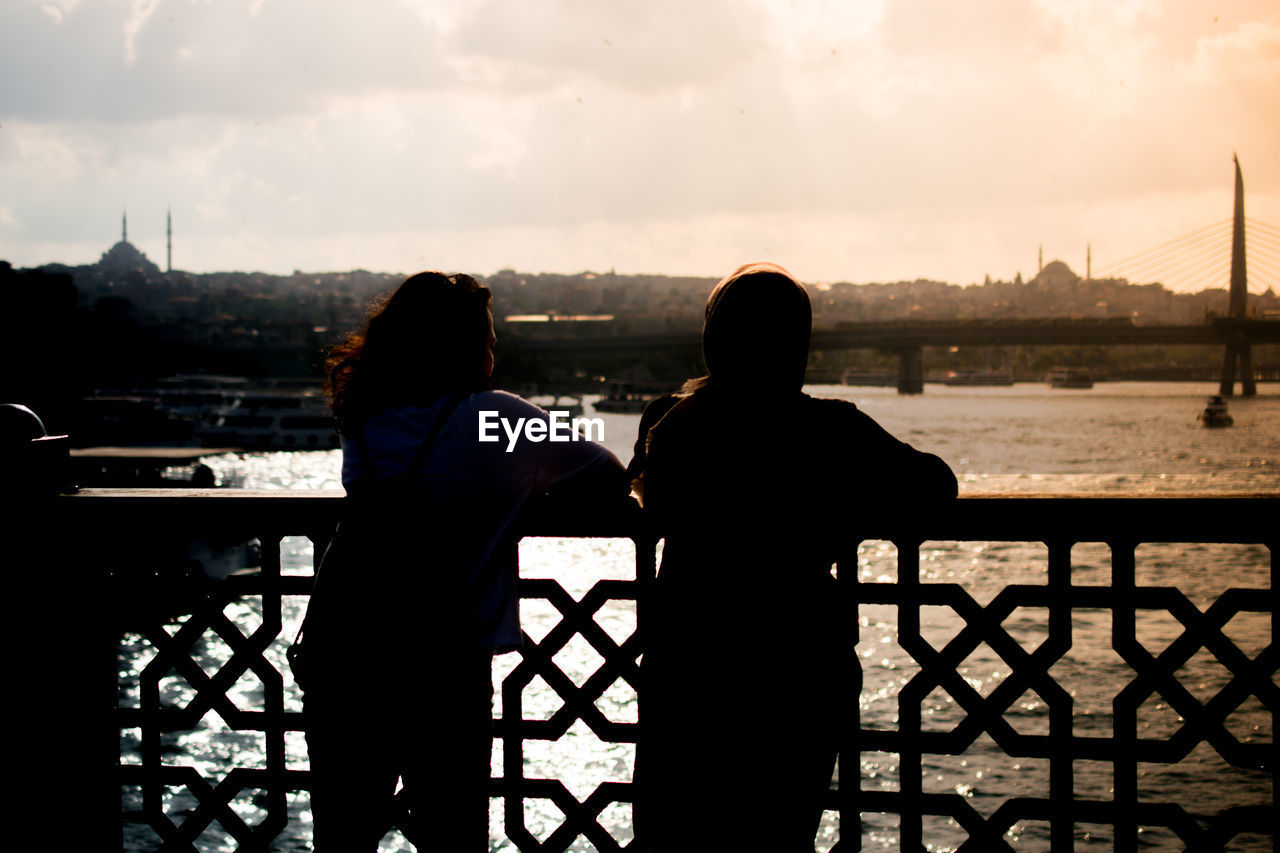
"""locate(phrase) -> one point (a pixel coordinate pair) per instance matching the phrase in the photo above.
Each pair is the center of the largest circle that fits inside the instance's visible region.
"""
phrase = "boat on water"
(1071, 377)
(627, 397)
(567, 403)
(128, 419)
(979, 377)
(869, 378)
(134, 467)
(822, 375)
(1215, 413)
(271, 420)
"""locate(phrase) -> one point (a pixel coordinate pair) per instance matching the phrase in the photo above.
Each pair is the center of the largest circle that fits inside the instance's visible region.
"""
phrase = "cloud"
(843, 130)
(140, 11)
(637, 46)
(137, 60)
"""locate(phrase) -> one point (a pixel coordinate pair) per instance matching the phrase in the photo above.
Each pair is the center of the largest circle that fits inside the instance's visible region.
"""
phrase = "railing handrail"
(1030, 516)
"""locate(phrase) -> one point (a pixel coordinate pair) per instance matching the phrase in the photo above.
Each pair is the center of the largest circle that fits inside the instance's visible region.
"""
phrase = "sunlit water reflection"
(1122, 437)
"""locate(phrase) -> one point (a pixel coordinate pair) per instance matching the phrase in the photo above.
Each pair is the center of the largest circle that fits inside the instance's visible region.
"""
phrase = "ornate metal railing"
(166, 612)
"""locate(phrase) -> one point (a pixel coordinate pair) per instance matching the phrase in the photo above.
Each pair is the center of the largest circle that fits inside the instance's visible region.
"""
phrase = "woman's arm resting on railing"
(596, 495)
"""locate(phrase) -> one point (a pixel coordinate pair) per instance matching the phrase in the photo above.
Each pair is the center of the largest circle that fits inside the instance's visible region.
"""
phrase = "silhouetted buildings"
(123, 320)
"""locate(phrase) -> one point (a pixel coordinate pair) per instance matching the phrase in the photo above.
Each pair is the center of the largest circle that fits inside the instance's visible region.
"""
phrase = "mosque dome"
(124, 257)
(1055, 273)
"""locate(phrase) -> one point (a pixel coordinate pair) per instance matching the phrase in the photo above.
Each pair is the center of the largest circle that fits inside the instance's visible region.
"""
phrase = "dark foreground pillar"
(911, 370)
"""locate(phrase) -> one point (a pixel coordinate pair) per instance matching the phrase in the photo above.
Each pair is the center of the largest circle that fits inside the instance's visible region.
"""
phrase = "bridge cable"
(1269, 273)
(1218, 265)
(1268, 246)
(1194, 236)
(1197, 257)
(1263, 254)
(1262, 233)
(1265, 226)
(1207, 246)
(1209, 240)
(1254, 250)
(1173, 267)
(1212, 279)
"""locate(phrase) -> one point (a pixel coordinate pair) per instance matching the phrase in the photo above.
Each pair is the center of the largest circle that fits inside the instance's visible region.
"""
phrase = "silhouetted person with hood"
(754, 485)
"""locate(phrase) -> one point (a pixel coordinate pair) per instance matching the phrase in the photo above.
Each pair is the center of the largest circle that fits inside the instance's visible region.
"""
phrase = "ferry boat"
(1070, 377)
(1215, 413)
(197, 396)
(979, 377)
(567, 403)
(128, 419)
(272, 420)
(571, 403)
(626, 397)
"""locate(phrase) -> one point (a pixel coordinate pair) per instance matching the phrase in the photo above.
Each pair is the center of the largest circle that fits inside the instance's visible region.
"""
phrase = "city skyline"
(869, 142)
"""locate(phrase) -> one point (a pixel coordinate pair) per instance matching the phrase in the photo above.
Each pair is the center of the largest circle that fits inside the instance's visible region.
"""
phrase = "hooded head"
(756, 334)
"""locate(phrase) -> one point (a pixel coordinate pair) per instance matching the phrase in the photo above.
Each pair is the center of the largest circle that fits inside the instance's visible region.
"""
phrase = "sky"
(848, 140)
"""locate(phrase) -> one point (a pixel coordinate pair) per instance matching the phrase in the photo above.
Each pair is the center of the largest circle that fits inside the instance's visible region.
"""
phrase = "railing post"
(1273, 545)
(1124, 710)
(1061, 710)
(273, 694)
(646, 545)
(910, 755)
(849, 755)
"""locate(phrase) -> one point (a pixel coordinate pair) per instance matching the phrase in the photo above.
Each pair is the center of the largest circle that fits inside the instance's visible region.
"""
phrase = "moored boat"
(626, 397)
(822, 375)
(979, 377)
(1070, 377)
(267, 420)
(869, 378)
(128, 419)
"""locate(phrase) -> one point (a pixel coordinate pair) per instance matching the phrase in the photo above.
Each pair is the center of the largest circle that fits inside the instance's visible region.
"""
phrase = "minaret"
(168, 228)
(1040, 260)
(1088, 262)
(124, 227)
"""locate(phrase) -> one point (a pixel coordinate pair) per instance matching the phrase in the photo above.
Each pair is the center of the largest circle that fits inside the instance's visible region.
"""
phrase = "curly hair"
(425, 340)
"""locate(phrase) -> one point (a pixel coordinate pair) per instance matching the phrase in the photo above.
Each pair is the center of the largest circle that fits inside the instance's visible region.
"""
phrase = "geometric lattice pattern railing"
(1017, 689)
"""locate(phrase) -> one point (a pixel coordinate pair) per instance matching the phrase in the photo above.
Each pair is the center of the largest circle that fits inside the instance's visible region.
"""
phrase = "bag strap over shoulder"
(420, 457)
(441, 418)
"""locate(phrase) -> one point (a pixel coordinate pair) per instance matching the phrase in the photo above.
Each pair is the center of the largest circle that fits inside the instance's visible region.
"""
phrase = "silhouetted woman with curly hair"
(416, 591)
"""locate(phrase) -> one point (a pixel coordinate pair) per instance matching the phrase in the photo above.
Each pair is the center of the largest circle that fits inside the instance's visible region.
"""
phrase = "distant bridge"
(1042, 332)
(908, 338)
(896, 335)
